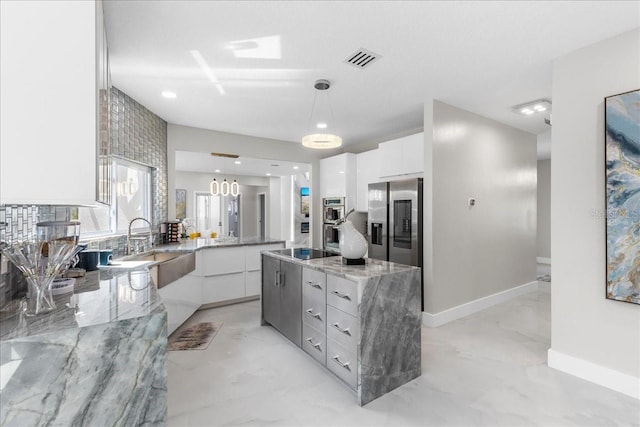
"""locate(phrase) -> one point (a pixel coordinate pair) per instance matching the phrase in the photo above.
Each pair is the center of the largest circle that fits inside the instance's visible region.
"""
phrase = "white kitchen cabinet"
(338, 178)
(222, 288)
(368, 172)
(402, 156)
(181, 299)
(230, 273)
(49, 99)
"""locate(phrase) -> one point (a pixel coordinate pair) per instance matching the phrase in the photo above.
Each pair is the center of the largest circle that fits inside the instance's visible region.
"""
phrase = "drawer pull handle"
(316, 346)
(344, 331)
(344, 365)
(310, 313)
(343, 296)
(313, 284)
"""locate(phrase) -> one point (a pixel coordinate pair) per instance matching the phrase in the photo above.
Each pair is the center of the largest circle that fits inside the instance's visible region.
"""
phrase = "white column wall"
(604, 334)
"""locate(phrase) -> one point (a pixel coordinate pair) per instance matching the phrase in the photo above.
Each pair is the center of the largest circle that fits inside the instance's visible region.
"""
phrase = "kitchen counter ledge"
(98, 359)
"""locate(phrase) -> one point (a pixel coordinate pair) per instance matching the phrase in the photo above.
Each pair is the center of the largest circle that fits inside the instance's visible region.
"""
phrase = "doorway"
(262, 215)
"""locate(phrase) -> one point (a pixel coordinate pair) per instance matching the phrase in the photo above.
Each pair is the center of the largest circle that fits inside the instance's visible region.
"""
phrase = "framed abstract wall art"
(181, 204)
(622, 157)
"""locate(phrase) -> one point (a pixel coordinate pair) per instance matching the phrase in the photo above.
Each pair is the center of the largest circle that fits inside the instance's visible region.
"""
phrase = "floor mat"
(196, 337)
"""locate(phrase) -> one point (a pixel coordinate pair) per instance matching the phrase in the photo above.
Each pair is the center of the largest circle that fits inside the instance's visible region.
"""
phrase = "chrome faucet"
(129, 238)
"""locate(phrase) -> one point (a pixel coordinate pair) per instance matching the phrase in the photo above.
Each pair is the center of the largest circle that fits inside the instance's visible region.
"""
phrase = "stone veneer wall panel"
(138, 134)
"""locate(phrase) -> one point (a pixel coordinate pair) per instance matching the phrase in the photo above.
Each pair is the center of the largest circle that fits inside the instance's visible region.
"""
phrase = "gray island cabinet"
(361, 322)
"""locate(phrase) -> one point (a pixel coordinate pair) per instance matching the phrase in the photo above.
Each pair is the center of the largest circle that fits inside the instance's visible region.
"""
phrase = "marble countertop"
(100, 297)
(333, 265)
(204, 243)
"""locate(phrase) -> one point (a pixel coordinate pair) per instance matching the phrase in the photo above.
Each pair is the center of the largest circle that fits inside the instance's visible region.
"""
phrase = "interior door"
(262, 213)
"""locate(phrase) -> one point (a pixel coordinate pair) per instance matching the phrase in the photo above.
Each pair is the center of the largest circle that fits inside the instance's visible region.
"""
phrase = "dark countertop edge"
(357, 270)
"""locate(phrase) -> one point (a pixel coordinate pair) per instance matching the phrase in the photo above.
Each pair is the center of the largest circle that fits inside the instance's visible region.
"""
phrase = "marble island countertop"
(334, 265)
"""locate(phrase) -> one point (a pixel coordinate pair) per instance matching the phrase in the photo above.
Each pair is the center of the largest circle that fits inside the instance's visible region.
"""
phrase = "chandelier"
(322, 138)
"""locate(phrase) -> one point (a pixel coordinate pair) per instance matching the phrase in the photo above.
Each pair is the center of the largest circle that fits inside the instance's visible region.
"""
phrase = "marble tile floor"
(487, 369)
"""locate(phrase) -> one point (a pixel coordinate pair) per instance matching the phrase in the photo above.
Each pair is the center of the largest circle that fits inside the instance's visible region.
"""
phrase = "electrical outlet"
(472, 201)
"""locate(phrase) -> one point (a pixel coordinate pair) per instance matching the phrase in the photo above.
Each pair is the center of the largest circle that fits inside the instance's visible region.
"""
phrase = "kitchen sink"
(164, 267)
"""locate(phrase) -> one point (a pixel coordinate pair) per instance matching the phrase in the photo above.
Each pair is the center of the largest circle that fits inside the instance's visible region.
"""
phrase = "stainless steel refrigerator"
(395, 221)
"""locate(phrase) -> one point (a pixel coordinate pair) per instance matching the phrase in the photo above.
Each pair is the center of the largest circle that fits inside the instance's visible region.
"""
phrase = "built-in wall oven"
(332, 211)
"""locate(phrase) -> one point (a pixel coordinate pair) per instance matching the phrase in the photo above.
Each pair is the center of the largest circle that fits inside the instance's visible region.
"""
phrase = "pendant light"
(235, 188)
(321, 119)
(224, 188)
(214, 187)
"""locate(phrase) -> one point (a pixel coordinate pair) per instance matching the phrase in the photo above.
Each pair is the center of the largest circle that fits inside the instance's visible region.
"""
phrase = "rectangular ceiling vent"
(362, 58)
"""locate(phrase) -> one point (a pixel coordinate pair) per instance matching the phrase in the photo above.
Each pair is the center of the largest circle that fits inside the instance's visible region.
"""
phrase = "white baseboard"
(541, 260)
(446, 316)
(598, 374)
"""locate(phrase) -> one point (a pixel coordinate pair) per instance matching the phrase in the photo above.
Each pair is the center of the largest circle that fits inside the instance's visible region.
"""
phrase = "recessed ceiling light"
(238, 162)
(321, 125)
(529, 108)
(168, 94)
(341, 171)
(217, 171)
(268, 174)
(296, 167)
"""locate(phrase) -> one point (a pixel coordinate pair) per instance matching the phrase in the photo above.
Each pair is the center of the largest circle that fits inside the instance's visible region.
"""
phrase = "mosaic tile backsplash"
(136, 134)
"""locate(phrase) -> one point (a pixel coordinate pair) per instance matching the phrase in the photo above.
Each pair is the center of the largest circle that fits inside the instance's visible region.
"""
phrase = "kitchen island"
(361, 322)
(98, 359)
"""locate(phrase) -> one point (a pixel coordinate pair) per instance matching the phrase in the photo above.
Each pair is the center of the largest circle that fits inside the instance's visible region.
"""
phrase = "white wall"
(586, 326)
(480, 251)
(544, 208)
(249, 188)
(203, 140)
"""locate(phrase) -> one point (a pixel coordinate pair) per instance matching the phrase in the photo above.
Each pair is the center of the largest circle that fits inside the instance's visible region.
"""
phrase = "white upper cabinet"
(368, 172)
(402, 156)
(338, 178)
(48, 111)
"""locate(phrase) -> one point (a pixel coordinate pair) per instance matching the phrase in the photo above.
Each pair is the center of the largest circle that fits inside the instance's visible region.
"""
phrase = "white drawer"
(253, 283)
(222, 288)
(342, 294)
(216, 261)
(343, 328)
(314, 343)
(342, 363)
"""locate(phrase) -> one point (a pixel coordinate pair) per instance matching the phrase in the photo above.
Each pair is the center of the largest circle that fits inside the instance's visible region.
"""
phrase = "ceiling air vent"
(362, 58)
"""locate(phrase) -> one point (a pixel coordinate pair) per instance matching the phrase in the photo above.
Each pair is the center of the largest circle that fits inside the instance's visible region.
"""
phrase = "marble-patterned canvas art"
(622, 139)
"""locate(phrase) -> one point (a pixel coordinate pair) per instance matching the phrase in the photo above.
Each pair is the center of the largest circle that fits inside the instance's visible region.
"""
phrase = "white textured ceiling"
(484, 57)
(190, 161)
